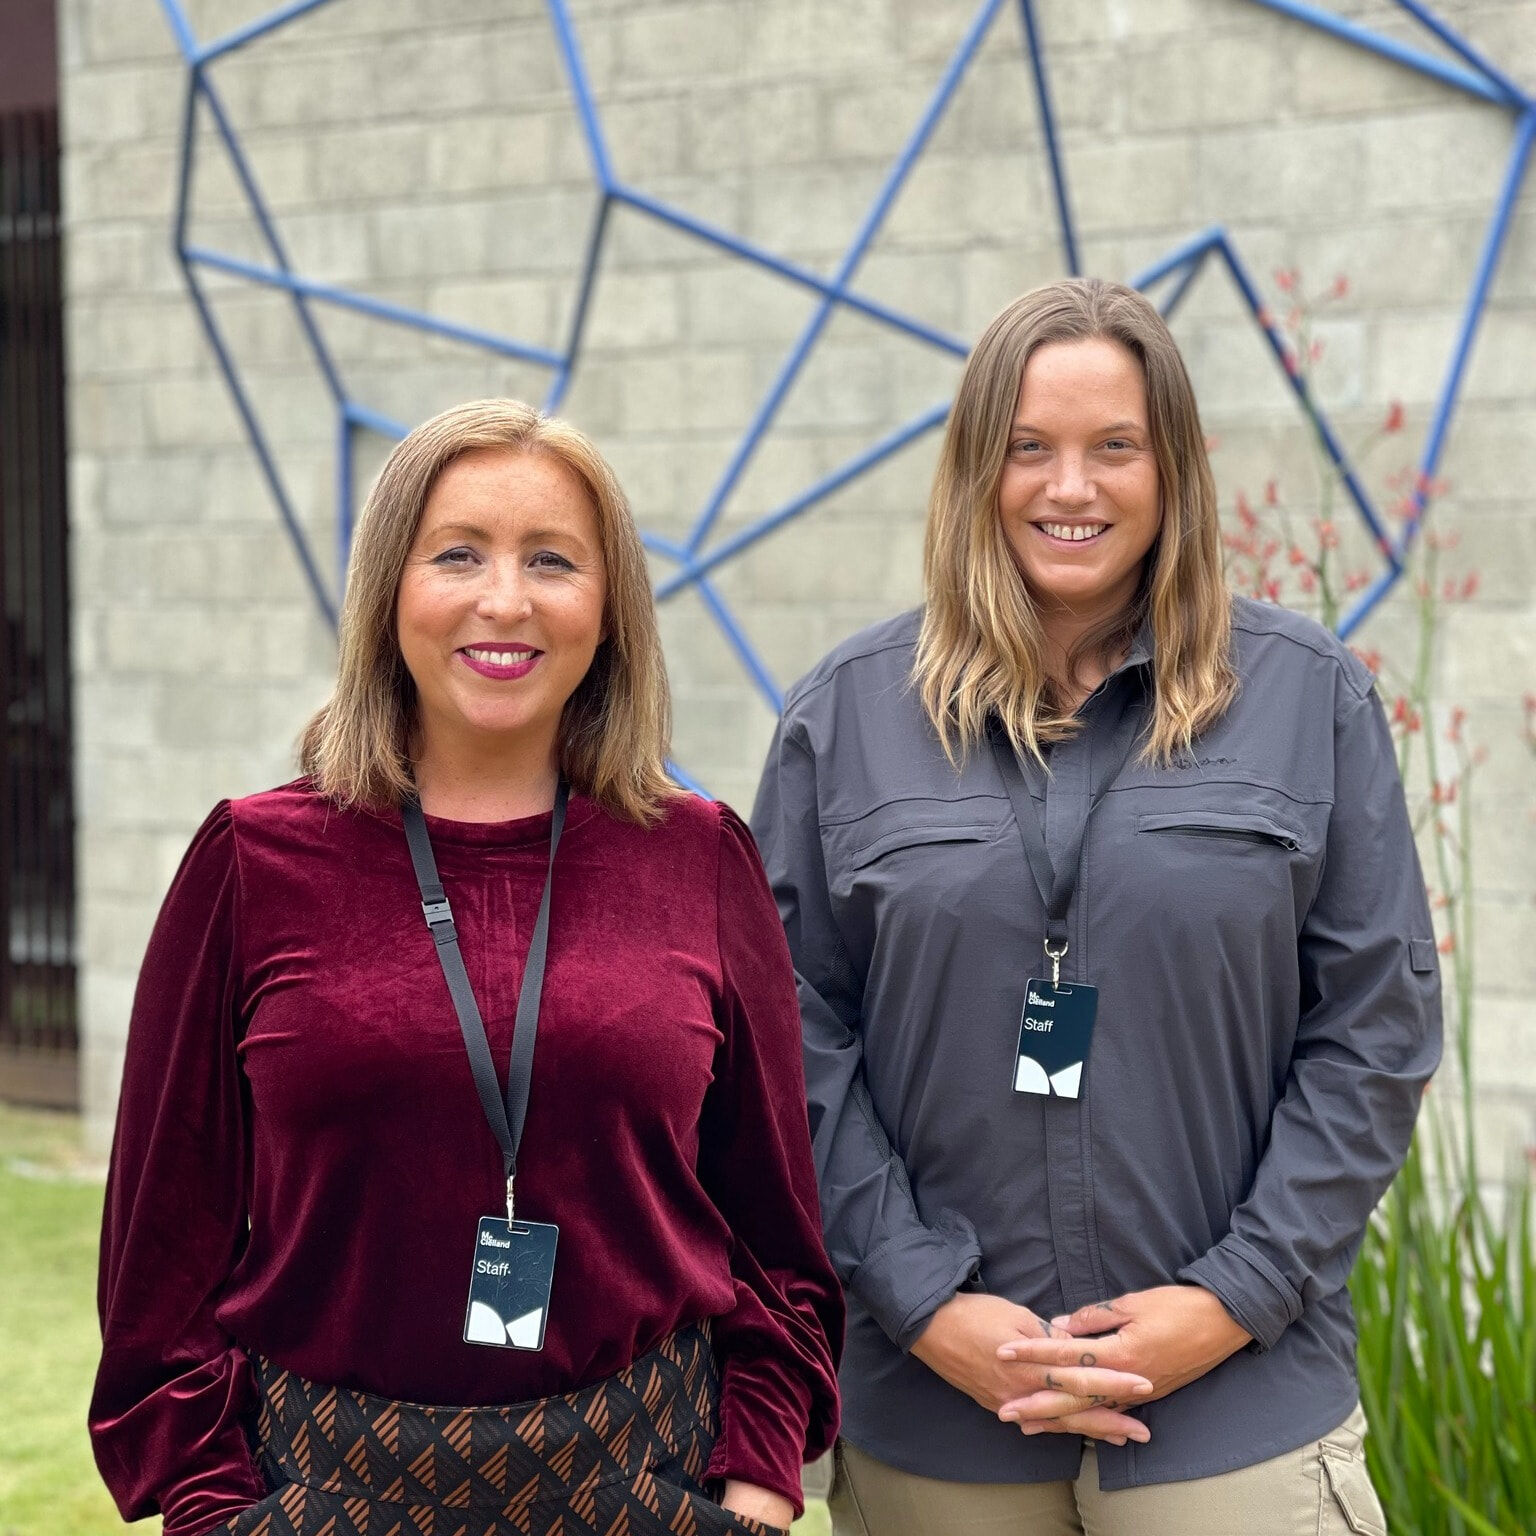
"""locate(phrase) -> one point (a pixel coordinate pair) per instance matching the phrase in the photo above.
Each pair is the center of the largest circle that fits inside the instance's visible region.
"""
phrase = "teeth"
(499, 658)
(1076, 533)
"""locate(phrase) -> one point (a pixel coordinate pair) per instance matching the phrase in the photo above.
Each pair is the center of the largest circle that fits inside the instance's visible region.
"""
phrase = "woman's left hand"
(757, 1504)
(1171, 1334)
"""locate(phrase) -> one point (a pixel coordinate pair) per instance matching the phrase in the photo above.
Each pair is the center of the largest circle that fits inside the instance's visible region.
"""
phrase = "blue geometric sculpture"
(697, 557)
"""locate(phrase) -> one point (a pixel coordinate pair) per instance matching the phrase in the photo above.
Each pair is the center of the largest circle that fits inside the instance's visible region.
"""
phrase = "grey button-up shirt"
(1255, 921)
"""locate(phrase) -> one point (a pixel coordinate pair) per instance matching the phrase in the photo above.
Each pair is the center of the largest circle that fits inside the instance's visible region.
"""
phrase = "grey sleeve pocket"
(1421, 955)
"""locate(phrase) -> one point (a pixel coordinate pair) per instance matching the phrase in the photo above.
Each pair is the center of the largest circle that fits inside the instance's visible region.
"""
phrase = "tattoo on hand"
(1089, 1358)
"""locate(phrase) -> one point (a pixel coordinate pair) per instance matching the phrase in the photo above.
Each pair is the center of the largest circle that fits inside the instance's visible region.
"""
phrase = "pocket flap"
(1421, 955)
(1198, 819)
(1350, 1483)
(915, 837)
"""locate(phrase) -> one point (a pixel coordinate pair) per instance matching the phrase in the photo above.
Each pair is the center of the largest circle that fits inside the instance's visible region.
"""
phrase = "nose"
(506, 593)
(1072, 486)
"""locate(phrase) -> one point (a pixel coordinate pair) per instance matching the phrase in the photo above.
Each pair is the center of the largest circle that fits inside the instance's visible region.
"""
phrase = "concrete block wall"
(426, 151)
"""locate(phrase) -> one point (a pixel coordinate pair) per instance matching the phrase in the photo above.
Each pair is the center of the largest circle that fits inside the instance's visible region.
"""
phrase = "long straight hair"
(981, 651)
(614, 729)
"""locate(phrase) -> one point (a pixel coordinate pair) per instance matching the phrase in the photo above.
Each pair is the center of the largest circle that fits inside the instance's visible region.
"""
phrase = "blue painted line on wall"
(1048, 133)
(1469, 72)
(1513, 94)
(1473, 82)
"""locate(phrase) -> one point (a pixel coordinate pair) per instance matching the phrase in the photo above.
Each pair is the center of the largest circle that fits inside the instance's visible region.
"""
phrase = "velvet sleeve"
(778, 1346)
(173, 1388)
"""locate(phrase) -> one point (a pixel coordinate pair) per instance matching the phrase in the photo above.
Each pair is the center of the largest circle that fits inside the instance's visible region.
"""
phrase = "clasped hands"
(1077, 1374)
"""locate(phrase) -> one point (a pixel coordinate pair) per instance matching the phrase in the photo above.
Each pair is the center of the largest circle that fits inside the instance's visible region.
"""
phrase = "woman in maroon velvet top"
(302, 1159)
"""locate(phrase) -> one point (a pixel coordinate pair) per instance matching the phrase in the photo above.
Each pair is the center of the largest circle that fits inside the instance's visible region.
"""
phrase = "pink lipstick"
(505, 662)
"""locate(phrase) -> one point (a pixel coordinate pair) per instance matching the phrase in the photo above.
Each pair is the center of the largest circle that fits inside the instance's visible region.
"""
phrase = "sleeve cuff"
(1256, 1295)
(197, 1515)
(223, 1522)
(905, 1280)
(764, 1423)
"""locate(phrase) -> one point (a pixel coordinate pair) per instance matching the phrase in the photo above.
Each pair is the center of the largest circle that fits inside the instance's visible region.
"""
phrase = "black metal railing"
(38, 1037)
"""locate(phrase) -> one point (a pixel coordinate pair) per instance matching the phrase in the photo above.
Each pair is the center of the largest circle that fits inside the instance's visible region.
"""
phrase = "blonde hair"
(613, 733)
(981, 651)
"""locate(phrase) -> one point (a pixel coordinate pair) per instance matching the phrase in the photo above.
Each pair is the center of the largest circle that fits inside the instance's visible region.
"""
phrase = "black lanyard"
(506, 1119)
(1058, 883)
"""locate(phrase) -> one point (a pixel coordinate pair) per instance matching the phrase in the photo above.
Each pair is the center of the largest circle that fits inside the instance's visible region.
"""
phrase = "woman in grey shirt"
(1117, 977)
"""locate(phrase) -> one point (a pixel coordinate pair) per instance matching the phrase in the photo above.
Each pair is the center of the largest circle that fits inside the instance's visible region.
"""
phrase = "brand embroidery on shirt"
(1184, 760)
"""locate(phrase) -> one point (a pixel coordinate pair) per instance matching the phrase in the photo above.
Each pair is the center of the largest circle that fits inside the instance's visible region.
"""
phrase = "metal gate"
(38, 1039)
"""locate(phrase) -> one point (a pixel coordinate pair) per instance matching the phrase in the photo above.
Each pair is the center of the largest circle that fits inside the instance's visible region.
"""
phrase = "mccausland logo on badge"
(490, 1266)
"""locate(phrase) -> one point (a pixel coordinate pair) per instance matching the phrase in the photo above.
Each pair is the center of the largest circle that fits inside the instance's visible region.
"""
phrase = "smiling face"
(1079, 496)
(500, 605)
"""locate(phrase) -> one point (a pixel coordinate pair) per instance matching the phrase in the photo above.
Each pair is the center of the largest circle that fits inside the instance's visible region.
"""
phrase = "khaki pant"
(1321, 1490)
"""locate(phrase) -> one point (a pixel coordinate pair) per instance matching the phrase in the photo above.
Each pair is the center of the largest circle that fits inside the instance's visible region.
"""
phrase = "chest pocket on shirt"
(901, 849)
(898, 838)
(1242, 826)
(1233, 863)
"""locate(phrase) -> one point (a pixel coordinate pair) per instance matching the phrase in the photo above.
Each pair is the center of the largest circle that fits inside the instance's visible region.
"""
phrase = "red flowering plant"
(1445, 1284)
(1308, 552)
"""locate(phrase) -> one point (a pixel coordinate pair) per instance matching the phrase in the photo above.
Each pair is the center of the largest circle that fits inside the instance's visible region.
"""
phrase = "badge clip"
(1055, 956)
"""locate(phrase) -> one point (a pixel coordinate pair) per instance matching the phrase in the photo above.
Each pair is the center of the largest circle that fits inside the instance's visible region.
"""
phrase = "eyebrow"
(1114, 426)
(472, 529)
(550, 535)
(533, 536)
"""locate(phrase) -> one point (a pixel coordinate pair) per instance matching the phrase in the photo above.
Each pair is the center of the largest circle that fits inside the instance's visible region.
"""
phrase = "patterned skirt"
(623, 1458)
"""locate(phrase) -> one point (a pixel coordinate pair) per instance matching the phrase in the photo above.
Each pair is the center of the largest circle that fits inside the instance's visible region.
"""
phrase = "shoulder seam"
(238, 945)
(720, 808)
(1317, 650)
(1361, 695)
(809, 686)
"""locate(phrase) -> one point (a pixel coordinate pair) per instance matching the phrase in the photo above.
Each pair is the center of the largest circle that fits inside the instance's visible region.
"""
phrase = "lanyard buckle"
(439, 916)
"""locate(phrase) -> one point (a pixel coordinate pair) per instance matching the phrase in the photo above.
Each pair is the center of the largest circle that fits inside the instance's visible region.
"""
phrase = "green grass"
(50, 1213)
(816, 1522)
(50, 1216)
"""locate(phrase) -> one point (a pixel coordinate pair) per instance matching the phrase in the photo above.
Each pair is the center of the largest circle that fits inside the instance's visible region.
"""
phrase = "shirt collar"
(1140, 653)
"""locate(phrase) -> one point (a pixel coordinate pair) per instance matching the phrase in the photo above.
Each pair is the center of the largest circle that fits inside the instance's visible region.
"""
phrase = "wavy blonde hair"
(613, 733)
(981, 651)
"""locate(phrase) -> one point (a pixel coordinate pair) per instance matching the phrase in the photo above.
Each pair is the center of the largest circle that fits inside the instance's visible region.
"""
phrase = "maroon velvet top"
(301, 1159)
